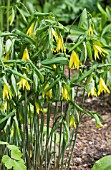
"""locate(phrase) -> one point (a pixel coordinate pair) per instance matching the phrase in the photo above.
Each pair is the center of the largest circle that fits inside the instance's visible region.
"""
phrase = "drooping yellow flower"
(7, 57)
(72, 122)
(4, 106)
(25, 55)
(74, 61)
(37, 107)
(98, 50)
(99, 125)
(30, 30)
(6, 92)
(92, 89)
(54, 34)
(90, 31)
(92, 92)
(102, 87)
(60, 45)
(65, 93)
(23, 83)
(98, 122)
(48, 94)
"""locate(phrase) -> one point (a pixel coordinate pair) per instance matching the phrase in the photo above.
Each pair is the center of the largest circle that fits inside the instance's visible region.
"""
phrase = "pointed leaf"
(14, 84)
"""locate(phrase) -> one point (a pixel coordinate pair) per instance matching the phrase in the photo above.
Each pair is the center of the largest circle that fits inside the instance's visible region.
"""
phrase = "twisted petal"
(23, 83)
(6, 92)
(74, 61)
(102, 87)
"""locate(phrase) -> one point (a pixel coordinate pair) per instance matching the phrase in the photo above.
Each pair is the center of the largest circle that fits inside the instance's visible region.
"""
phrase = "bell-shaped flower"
(65, 92)
(98, 50)
(4, 106)
(90, 31)
(74, 61)
(60, 45)
(30, 29)
(37, 107)
(72, 122)
(7, 57)
(48, 94)
(25, 55)
(7, 92)
(91, 88)
(23, 83)
(54, 34)
(102, 87)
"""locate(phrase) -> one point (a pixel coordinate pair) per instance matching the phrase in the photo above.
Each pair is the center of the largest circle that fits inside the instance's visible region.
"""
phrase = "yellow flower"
(90, 31)
(25, 55)
(65, 93)
(98, 122)
(92, 88)
(72, 122)
(48, 93)
(74, 61)
(31, 28)
(99, 125)
(54, 34)
(60, 45)
(4, 107)
(98, 50)
(7, 57)
(92, 92)
(7, 92)
(37, 107)
(23, 83)
(102, 87)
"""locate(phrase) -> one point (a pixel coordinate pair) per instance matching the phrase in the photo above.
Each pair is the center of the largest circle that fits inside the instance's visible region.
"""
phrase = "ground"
(93, 143)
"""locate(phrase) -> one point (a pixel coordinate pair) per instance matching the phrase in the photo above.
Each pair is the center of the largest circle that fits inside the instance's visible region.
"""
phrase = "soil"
(93, 143)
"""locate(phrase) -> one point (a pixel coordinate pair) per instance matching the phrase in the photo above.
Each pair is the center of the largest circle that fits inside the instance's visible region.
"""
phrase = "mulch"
(93, 143)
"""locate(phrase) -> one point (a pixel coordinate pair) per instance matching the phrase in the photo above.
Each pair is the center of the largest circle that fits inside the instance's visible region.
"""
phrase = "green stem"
(8, 6)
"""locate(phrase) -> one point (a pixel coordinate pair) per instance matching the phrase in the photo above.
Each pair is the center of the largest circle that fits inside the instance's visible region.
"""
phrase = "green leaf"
(8, 116)
(101, 9)
(89, 50)
(12, 147)
(19, 165)
(14, 84)
(40, 30)
(78, 43)
(1, 46)
(17, 73)
(58, 60)
(35, 81)
(106, 29)
(8, 45)
(21, 12)
(16, 154)
(66, 133)
(7, 161)
(52, 85)
(38, 72)
(3, 143)
(83, 23)
(103, 163)
(12, 16)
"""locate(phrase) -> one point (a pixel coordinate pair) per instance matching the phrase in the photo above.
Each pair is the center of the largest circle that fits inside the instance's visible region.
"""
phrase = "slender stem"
(8, 5)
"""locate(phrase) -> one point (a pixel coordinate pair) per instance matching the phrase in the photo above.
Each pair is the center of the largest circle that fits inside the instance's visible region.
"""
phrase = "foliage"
(39, 110)
(103, 163)
(14, 160)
